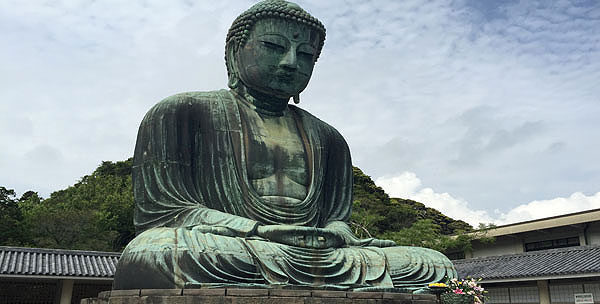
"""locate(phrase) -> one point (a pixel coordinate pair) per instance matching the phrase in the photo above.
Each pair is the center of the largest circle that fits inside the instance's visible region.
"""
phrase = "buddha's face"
(278, 57)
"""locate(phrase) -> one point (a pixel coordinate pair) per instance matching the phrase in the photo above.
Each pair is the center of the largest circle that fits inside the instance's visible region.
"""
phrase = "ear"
(232, 71)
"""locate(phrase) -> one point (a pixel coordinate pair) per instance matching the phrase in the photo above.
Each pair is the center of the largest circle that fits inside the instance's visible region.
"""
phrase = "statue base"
(256, 296)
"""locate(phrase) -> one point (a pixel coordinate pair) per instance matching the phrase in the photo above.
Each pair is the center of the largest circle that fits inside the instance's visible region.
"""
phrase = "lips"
(285, 76)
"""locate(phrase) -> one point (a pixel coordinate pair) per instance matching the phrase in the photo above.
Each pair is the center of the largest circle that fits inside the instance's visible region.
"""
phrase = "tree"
(373, 212)
(95, 214)
(423, 233)
(12, 230)
(407, 222)
(447, 225)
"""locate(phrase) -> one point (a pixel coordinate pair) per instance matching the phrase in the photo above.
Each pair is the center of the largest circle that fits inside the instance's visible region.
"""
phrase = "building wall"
(560, 292)
(501, 246)
(512, 239)
(512, 244)
(593, 233)
(39, 291)
(29, 291)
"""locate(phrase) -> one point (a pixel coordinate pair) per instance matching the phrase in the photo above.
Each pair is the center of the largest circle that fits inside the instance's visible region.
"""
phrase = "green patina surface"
(237, 187)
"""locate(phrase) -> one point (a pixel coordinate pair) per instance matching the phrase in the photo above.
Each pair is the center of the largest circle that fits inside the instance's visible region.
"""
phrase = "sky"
(485, 110)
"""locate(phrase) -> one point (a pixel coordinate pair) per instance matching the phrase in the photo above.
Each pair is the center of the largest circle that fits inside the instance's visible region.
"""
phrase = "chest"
(275, 148)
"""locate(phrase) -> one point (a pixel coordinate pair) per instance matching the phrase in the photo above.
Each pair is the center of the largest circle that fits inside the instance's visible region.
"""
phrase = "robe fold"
(196, 212)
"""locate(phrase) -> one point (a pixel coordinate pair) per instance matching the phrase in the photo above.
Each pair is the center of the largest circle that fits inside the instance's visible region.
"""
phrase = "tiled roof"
(545, 263)
(57, 262)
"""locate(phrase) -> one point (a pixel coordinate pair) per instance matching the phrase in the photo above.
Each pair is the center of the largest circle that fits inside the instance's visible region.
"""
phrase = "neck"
(266, 104)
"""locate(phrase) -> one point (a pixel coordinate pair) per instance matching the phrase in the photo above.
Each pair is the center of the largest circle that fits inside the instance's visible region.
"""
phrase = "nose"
(289, 61)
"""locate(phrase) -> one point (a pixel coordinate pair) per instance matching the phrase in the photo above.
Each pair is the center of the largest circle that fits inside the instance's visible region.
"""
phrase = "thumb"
(382, 243)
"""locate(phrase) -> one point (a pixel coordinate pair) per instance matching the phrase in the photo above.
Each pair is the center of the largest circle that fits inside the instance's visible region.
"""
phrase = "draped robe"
(196, 212)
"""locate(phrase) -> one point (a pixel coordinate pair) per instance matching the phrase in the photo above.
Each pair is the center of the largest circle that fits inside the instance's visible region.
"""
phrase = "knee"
(137, 272)
(404, 255)
(146, 261)
(155, 239)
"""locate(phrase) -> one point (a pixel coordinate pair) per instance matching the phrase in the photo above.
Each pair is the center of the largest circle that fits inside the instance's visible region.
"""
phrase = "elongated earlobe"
(233, 81)
(232, 72)
(297, 98)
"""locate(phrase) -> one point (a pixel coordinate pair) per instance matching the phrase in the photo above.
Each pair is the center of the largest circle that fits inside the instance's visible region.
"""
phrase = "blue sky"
(486, 110)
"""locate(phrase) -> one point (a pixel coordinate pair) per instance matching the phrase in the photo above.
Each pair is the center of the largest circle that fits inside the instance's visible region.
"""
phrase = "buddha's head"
(272, 47)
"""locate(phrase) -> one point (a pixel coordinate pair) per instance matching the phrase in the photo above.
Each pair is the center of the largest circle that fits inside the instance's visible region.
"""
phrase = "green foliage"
(447, 225)
(62, 225)
(373, 212)
(426, 233)
(423, 233)
(95, 214)
(120, 168)
(12, 232)
(405, 221)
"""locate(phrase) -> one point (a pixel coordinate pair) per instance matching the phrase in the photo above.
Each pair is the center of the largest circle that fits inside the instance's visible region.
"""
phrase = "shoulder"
(315, 122)
(188, 102)
(188, 99)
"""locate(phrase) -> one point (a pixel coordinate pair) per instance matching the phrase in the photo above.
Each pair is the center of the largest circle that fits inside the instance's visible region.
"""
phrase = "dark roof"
(558, 262)
(57, 262)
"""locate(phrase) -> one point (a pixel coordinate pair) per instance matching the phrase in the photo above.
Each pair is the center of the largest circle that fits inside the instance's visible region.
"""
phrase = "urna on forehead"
(279, 9)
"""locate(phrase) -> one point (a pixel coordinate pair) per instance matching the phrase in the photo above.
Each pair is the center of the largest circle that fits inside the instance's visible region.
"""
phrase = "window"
(564, 293)
(524, 295)
(497, 296)
(512, 295)
(549, 244)
(594, 289)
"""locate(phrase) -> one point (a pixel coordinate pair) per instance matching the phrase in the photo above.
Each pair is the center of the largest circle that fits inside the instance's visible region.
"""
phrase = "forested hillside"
(407, 222)
(96, 213)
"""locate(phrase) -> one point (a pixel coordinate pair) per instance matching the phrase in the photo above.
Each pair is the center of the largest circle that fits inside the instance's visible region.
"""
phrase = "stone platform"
(256, 296)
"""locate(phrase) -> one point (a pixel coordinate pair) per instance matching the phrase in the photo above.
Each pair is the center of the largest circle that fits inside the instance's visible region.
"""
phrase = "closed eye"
(305, 54)
(273, 46)
(306, 51)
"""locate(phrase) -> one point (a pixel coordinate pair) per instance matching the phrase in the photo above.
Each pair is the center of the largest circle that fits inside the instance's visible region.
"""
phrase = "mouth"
(285, 76)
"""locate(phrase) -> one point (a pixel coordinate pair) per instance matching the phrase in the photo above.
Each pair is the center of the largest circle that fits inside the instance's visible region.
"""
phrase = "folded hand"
(301, 236)
(333, 236)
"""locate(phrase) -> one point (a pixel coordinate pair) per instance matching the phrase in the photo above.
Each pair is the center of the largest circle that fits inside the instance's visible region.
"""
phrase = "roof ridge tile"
(552, 262)
(53, 262)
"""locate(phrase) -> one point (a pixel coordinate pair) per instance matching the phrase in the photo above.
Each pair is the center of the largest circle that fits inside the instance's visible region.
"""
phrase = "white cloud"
(408, 186)
(494, 103)
(547, 208)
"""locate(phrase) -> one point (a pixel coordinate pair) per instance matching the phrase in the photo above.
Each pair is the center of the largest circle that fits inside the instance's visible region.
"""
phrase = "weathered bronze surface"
(238, 188)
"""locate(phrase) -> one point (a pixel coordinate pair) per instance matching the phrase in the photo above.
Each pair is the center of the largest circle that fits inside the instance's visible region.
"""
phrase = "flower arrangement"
(468, 287)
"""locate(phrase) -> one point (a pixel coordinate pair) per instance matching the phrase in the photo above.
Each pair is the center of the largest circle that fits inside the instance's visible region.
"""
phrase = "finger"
(222, 231)
(387, 243)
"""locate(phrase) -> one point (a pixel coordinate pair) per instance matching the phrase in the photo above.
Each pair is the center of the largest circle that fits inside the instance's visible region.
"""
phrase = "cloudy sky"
(486, 110)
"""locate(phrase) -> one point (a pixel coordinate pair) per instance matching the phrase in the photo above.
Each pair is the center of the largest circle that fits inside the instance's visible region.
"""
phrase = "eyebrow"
(308, 39)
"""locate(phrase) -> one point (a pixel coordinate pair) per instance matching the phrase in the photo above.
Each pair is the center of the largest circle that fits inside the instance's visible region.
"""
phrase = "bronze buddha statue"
(238, 187)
